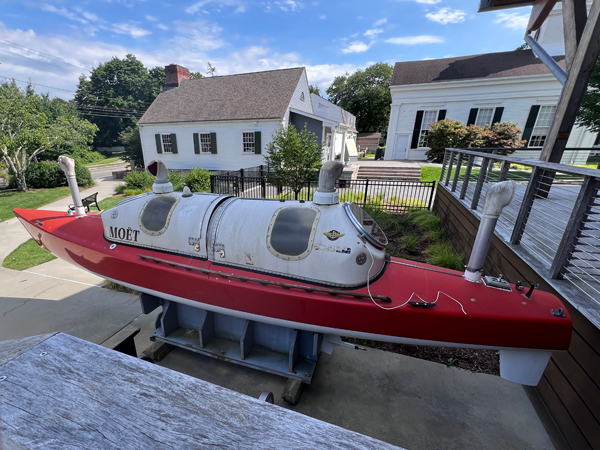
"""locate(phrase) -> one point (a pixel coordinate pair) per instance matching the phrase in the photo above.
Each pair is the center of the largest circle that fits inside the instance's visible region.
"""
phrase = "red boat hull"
(466, 314)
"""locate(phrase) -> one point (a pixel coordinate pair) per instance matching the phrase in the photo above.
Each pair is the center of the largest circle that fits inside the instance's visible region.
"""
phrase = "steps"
(389, 173)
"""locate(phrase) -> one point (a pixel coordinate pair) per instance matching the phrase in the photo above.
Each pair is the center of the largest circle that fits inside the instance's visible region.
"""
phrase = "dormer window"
(302, 96)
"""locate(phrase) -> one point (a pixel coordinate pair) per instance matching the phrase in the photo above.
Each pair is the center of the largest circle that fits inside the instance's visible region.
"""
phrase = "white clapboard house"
(510, 86)
(225, 122)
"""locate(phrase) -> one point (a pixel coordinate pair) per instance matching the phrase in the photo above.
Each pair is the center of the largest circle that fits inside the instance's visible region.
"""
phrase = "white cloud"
(374, 32)
(162, 26)
(289, 5)
(90, 16)
(356, 47)
(196, 6)
(380, 22)
(151, 18)
(323, 17)
(515, 21)
(240, 9)
(447, 15)
(200, 36)
(413, 40)
(130, 29)
(62, 11)
(428, 2)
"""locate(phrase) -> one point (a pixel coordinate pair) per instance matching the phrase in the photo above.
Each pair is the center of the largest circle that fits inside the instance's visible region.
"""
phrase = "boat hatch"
(292, 231)
(366, 225)
(156, 214)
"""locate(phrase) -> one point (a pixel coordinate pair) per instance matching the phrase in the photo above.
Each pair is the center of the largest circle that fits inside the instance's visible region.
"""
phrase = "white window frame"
(543, 121)
(164, 144)
(481, 123)
(204, 145)
(425, 127)
(244, 142)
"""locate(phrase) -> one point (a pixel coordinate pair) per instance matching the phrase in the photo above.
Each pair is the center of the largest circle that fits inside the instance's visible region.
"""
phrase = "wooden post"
(526, 205)
(465, 185)
(457, 172)
(581, 209)
(574, 18)
(504, 171)
(480, 180)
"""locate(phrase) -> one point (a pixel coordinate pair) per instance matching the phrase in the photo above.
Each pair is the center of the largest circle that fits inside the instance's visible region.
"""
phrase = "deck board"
(64, 392)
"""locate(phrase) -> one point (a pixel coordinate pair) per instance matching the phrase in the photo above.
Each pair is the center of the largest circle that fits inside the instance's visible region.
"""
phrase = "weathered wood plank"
(574, 18)
(12, 348)
(563, 419)
(68, 393)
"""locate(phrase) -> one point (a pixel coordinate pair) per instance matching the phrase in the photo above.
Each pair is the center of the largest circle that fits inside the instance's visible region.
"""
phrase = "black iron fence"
(392, 195)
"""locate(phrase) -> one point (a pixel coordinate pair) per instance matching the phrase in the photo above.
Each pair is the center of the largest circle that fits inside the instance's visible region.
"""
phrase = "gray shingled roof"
(489, 65)
(258, 95)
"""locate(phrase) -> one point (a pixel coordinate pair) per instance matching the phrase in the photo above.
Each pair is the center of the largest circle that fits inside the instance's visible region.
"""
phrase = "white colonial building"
(481, 89)
(225, 122)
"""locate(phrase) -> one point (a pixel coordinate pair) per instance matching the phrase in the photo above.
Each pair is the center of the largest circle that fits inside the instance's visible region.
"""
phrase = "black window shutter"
(158, 143)
(196, 144)
(472, 116)
(173, 144)
(498, 114)
(417, 130)
(257, 144)
(213, 143)
(533, 113)
(441, 114)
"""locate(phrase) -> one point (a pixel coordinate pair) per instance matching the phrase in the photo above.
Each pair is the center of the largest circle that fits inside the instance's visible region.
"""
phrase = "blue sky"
(52, 42)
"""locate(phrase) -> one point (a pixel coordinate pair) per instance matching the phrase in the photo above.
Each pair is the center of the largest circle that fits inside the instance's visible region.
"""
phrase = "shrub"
(120, 188)
(409, 203)
(442, 254)
(425, 219)
(410, 241)
(198, 180)
(177, 180)
(139, 180)
(48, 175)
(87, 157)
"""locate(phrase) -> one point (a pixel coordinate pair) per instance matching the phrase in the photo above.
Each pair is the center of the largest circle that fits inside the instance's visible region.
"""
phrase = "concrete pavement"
(405, 401)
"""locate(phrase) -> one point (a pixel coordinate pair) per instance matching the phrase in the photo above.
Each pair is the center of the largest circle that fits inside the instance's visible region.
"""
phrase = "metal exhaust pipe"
(161, 185)
(326, 193)
(496, 198)
(68, 166)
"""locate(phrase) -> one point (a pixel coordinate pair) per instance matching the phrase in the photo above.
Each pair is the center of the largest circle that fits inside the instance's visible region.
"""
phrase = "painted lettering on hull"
(124, 234)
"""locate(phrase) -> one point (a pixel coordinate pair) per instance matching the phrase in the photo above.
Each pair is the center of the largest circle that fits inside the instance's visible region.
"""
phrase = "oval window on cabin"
(156, 214)
(292, 232)
(365, 224)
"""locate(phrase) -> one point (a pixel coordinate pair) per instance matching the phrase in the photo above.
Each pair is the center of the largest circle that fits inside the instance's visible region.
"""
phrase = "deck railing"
(393, 195)
(554, 218)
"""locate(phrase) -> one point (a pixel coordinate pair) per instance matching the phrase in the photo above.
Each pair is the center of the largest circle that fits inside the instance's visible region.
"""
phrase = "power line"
(14, 44)
(38, 60)
(37, 84)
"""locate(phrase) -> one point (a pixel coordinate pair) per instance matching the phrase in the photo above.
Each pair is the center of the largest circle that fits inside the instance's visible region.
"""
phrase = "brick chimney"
(175, 73)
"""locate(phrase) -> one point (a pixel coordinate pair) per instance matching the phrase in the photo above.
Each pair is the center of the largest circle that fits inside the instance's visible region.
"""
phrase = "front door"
(400, 148)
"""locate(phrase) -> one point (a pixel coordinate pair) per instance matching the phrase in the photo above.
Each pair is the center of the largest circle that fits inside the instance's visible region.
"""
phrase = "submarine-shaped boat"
(318, 266)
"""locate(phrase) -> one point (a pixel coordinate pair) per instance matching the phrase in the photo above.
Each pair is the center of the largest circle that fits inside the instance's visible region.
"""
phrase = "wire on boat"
(413, 294)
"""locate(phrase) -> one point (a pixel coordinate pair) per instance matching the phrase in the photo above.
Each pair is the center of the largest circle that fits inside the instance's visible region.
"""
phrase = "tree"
(314, 89)
(195, 75)
(118, 83)
(589, 112)
(453, 134)
(366, 94)
(26, 131)
(293, 158)
(133, 147)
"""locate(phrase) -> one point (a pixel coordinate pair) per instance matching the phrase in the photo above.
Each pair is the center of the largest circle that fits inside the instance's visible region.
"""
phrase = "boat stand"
(278, 350)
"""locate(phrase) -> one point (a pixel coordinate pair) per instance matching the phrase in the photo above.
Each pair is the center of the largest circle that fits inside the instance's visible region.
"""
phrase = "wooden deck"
(57, 391)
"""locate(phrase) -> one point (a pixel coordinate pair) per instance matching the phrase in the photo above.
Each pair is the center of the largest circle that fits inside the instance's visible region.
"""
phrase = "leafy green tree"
(589, 112)
(118, 83)
(293, 158)
(133, 147)
(453, 134)
(195, 75)
(366, 94)
(314, 89)
(26, 131)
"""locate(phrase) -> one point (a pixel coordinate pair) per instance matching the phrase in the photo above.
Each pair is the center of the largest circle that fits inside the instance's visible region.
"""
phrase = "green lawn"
(30, 200)
(110, 202)
(106, 162)
(27, 255)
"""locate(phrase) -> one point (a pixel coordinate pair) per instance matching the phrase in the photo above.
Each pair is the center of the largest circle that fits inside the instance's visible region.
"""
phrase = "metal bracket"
(558, 312)
(497, 283)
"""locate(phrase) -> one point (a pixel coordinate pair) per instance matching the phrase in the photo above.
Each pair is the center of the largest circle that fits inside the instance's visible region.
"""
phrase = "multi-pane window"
(484, 117)
(429, 117)
(204, 142)
(248, 141)
(166, 143)
(542, 126)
